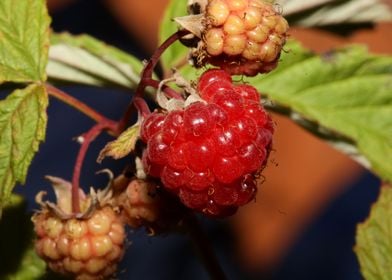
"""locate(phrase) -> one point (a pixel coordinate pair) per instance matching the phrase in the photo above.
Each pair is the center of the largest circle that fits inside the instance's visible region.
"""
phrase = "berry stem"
(169, 91)
(147, 80)
(203, 246)
(142, 106)
(146, 75)
(86, 139)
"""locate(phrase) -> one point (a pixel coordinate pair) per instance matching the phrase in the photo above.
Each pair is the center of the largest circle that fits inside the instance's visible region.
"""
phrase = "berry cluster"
(241, 36)
(83, 248)
(207, 149)
(209, 152)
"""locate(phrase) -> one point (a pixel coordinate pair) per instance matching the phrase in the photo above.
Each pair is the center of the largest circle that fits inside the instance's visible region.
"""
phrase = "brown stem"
(203, 246)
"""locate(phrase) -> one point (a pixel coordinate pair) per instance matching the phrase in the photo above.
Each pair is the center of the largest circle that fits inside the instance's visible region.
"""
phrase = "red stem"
(169, 91)
(77, 104)
(147, 80)
(88, 137)
(147, 72)
(141, 106)
(111, 126)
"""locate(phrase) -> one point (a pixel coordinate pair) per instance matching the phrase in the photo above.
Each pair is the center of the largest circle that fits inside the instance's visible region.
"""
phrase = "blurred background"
(302, 225)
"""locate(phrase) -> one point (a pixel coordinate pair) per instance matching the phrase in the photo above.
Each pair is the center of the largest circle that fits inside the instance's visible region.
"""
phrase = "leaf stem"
(203, 246)
(75, 103)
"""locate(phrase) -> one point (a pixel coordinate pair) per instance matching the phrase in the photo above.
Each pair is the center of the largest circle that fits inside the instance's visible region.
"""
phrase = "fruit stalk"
(146, 75)
(86, 139)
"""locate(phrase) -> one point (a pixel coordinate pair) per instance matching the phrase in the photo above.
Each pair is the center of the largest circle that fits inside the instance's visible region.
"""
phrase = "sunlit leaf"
(176, 54)
(328, 12)
(86, 60)
(347, 91)
(24, 40)
(373, 241)
(22, 128)
(122, 146)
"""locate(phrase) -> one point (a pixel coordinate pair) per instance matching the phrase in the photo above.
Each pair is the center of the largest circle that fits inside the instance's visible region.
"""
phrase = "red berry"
(192, 199)
(246, 190)
(210, 152)
(152, 124)
(218, 115)
(212, 75)
(225, 195)
(252, 157)
(248, 92)
(226, 141)
(150, 168)
(227, 169)
(199, 180)
(257, 113)
(177, 159)
(200, 154)
(157, 150)
(172, 125)
(230, 102)
(197, 120)
(172, 178)
(214, 87)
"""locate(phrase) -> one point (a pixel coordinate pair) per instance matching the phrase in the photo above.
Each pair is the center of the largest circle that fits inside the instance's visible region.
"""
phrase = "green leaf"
(327, 12)
(84, 59)
(123, 145)
(18, 258)
(24, 40)
(373, 240)
(347, 91)
(22, 127)
(176, 54)
(32, 267)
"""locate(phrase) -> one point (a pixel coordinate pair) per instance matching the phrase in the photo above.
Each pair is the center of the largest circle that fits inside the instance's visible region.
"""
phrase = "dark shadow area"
(15, 231)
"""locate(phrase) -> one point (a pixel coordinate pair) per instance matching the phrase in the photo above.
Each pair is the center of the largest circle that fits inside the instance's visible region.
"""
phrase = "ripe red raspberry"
(82, 248)
(240, 36)
(210, 152)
